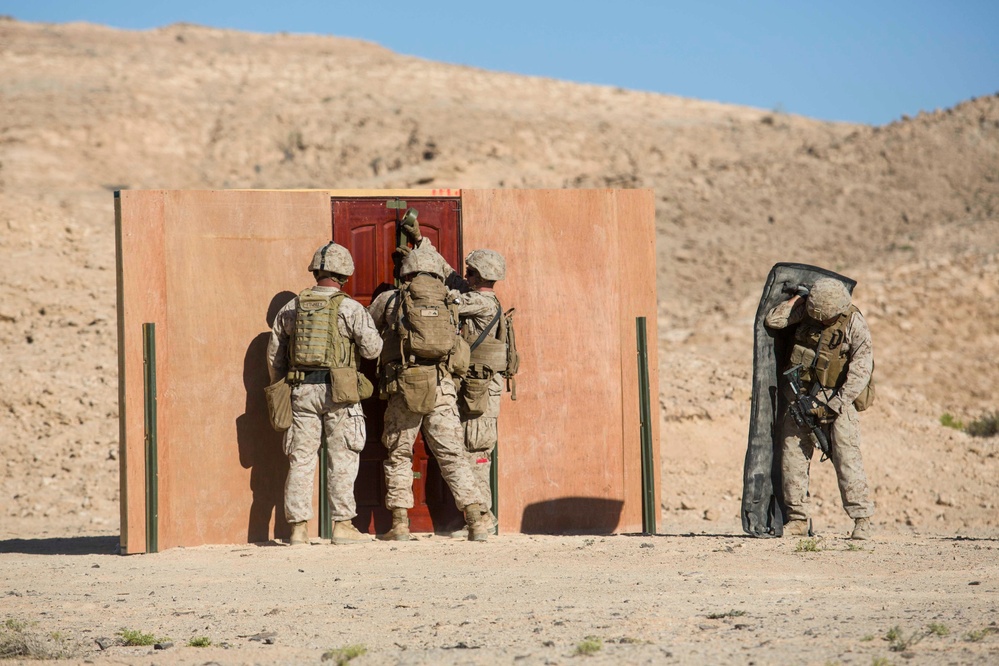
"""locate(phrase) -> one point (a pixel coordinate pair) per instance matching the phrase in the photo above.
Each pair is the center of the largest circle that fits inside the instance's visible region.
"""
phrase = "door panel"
(367, 228)
(364, 249)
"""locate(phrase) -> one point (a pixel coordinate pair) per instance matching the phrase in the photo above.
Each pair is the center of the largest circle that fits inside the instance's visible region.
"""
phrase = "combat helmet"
(487, 263)
(827, 299)
(333, 258)
(422, 261)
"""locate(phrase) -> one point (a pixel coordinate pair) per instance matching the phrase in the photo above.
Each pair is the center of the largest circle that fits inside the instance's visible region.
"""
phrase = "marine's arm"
(787, 313)
(361, 328)
(861, 365)
(378, 307)
(477, 306)
(277, 346)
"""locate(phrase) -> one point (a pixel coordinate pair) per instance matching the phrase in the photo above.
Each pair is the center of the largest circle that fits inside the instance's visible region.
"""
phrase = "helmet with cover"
(489, 264)
(333, 258)
(422, 261)
(827, 299)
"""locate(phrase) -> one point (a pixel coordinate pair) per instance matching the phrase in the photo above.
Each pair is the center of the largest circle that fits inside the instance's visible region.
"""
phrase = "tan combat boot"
(796, 528)
(345, 533)
(861, 529)
(400, 527)
(475, 519)
(489, 520)
(299, 534)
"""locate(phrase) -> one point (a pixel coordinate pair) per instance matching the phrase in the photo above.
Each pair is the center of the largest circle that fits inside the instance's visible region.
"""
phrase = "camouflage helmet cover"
(422, 261)
(827, 299)
(487, 263)
(333, 258)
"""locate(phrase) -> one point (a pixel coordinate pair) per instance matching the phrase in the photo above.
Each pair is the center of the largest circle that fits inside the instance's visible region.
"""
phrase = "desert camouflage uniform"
(313, 413)
(442, 432)
(481, 434)
(477, 311)
(844, 430)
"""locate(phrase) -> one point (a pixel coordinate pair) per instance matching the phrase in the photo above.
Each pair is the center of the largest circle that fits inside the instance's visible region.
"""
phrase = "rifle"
(801, 411)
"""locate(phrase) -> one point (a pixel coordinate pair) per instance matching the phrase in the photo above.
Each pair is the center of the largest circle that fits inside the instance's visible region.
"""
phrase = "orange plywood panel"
(141, 298)
(580, 267)
(635, 221)
(228, 261)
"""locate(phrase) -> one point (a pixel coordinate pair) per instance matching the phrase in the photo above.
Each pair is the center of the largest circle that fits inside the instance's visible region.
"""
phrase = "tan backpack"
(426, 323)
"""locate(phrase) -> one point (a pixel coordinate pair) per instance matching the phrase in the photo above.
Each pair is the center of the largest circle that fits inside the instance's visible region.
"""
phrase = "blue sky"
(856, 61)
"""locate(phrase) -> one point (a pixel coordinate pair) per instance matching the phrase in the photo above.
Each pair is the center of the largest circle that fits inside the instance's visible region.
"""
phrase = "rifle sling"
(486, 330)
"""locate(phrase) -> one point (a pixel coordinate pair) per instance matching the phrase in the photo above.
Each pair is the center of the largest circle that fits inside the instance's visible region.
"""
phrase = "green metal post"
(152, 468)
(325, 519)
(494, 486)
(645, 416)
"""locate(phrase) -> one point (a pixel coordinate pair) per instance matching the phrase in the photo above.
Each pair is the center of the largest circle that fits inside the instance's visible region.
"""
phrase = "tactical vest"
(317, 343)
(821, 350)
(488, 347)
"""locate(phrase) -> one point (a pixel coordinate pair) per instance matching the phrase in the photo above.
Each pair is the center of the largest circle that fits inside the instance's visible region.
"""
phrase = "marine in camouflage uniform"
(820, 311)
(478, 311)
(314, 412)
(442, 428)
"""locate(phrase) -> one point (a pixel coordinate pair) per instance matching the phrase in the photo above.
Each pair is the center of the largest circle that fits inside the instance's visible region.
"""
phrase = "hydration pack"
(426, 324)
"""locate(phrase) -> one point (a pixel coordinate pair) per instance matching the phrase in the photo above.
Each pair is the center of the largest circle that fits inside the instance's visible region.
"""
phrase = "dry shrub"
(18, 640)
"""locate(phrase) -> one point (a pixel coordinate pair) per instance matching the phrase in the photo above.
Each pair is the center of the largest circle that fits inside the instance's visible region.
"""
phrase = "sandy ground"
(910, 210)
(678, 599)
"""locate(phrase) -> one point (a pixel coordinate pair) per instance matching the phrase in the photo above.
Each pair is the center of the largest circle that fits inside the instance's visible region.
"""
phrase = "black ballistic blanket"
(762, 505)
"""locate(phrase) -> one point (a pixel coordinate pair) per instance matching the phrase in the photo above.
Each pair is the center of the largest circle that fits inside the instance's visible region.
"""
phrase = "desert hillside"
(910, 210)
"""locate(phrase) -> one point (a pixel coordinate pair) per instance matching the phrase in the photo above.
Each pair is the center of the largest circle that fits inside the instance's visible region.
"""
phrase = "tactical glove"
(410, 226)
(822, 413)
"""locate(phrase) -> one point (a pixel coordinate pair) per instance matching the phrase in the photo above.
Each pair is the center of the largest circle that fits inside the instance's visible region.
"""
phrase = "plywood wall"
(580, 269)
(211, 268)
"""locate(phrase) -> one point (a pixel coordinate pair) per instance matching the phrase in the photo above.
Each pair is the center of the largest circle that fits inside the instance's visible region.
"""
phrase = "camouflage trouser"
(481, 436)
(846, 460)
(442, 432)
(313, 413)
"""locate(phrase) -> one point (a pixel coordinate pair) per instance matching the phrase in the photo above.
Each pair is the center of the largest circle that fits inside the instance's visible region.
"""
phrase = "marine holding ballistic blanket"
(833, 358)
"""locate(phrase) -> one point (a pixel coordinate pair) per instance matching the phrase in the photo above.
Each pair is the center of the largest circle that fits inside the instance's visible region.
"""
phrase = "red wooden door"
(367, 228)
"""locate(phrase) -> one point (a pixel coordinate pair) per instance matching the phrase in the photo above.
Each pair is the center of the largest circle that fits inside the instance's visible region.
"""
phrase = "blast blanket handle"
(152, 468)
(645, 415)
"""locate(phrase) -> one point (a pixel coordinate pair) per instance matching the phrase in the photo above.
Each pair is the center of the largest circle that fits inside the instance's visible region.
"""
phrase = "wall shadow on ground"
(81, 545)
(572, 515)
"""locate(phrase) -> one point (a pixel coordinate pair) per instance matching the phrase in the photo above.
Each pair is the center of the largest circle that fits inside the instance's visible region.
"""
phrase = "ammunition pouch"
(347, 385)
(866, 397)
(418, 386)
(278, 397)
(459, 358)
(473, 398)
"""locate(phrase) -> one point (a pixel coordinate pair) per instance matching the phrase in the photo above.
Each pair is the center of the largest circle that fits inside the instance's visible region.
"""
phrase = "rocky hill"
(910, 209)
